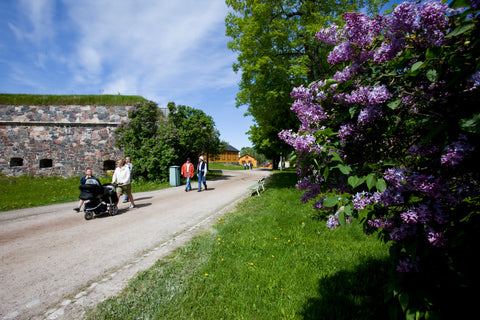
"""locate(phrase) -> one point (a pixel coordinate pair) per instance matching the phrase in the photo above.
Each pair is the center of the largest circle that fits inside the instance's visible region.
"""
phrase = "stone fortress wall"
(58, 140)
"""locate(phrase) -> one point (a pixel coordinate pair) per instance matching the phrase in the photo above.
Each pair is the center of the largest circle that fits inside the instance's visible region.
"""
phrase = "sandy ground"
(55, 264)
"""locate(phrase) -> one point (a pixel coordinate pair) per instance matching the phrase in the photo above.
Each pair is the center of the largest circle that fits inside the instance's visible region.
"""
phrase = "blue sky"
(162, 50)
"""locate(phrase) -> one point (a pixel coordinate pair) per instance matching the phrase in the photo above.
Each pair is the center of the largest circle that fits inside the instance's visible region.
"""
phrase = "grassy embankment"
(44, 99)
(269, 259)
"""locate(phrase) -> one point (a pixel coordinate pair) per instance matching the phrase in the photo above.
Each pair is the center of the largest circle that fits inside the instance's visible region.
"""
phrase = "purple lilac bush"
(393, 137)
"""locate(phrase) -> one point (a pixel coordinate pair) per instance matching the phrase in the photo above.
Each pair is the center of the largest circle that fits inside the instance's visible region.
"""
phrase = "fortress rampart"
(58, 140)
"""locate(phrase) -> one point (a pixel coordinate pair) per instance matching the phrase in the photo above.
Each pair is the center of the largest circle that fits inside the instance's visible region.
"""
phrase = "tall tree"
(197, 132)
(277, 51)
(155, 143)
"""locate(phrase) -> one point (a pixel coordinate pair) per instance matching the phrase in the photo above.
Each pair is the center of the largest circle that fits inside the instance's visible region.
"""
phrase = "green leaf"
(432, 75)
(336, 157)
(341, 218)
(352, 111)
(326, 172)
(460, 30)
(416, 66)
(381, 185)
(388, 162)
(330, 201)
(371, 181)
(355, 181)
(471, 125)
(459, 4)
(394, 104)
(330, 82)
(344, 169)
(403, 300)
(349, 209)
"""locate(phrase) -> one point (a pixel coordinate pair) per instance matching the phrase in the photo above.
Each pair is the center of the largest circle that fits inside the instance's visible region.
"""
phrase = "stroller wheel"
(113, 210)
(88, 215)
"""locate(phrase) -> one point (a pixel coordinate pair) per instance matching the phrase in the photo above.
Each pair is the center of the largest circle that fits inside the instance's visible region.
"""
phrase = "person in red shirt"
(188, 172)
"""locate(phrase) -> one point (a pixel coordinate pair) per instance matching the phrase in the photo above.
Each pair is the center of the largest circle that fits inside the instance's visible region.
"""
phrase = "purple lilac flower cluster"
(345, 75)
(423, 150)
(368, 95)
(475, 81)
(345, 131)
(352, 43)
(406, 266)
(310, 112)
(428, 214)
(301, 142)
(456, 152)
(332, 221)
(312, 188)
(434, 20)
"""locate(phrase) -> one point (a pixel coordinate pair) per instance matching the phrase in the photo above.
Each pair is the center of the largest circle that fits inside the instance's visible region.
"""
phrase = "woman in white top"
(123, 178)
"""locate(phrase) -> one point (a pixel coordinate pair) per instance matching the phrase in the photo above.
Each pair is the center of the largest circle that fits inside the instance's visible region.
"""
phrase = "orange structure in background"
(248, 159)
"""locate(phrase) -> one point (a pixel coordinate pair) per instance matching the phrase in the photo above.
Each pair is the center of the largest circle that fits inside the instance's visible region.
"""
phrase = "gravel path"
(55, 264)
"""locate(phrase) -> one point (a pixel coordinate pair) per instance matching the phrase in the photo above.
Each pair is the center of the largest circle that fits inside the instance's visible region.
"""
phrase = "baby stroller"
(98, 199)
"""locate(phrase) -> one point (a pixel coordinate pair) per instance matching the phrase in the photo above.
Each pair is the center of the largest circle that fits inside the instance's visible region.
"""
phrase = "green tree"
(277, 51)
(196, 131)
(149, 140)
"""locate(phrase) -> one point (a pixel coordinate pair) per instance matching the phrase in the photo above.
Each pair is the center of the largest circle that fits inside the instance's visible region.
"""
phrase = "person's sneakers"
(186, 190)
(77, 209)
(132, 206)
(206, 187)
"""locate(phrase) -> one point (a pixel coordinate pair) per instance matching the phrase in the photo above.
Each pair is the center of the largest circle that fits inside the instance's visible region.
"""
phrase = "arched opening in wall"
(16, 162)
(46, 163)
(108, 165)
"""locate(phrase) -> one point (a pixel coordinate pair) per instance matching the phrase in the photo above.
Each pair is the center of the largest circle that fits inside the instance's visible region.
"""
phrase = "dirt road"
(55, 264)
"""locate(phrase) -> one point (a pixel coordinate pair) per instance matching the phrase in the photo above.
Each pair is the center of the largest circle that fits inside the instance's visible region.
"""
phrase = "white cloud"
(156, 45)
(36, 24)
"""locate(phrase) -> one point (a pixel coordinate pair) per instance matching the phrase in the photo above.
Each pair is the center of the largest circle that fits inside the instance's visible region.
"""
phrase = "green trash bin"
(175, 176)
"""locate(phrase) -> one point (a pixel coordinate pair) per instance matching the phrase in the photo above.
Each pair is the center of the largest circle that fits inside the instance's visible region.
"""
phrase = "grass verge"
(269, 259)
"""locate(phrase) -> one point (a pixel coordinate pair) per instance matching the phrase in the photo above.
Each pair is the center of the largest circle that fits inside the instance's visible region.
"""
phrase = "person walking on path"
(123, 178)
(202, 172)
(128, 163)
(188, 171)
(93, 180)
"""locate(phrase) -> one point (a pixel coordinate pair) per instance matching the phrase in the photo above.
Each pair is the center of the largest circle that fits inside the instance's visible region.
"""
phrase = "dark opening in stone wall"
(108, 165)
(16, 162)
(45, 163)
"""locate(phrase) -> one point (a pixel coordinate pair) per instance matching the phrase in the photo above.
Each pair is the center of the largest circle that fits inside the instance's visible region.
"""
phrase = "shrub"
(394, 135)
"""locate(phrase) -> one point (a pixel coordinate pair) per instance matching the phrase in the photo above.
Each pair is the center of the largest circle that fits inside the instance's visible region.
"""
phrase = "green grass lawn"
(27, 191)
(224, 166)
(268, 259)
